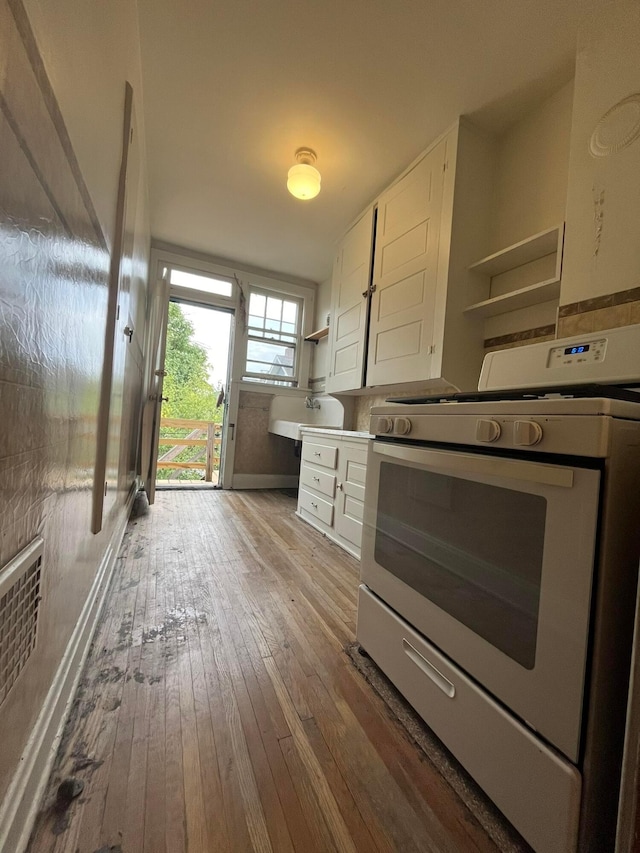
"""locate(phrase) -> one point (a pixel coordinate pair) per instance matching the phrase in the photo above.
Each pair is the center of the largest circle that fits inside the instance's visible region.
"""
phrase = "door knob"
(128, 332)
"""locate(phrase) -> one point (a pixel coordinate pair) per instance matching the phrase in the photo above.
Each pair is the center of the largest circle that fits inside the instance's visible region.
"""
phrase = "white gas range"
(499, 574)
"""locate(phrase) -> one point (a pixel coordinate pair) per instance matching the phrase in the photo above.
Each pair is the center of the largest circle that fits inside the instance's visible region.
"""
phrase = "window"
(273, 338)
(203, 283)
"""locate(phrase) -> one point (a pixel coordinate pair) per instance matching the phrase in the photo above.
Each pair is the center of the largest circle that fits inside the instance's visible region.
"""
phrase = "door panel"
(352, 469)
(405, 274)
(153, 404)
(349, 289)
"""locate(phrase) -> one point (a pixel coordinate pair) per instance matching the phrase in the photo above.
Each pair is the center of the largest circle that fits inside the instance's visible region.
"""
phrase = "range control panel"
(578, 353)
(605, 356)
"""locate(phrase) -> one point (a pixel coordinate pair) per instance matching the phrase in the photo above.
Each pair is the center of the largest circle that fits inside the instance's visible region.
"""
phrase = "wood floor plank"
(228, 806)
(390, 817)
(331, 812)
(423, 786)
(362, 838)
(154, 805)
(175, 810)
(218, 712)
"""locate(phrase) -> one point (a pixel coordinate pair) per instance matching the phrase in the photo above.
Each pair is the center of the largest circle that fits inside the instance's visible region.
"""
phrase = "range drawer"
(319, 480)
(536, 789)
(318, 507)
(320, 454)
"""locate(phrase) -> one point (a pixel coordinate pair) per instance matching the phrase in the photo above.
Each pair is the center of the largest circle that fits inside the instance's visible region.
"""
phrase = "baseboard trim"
(265, 481)
(22, 801)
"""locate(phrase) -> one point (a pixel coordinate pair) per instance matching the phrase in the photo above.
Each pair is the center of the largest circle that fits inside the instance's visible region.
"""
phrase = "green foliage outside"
(190, 393)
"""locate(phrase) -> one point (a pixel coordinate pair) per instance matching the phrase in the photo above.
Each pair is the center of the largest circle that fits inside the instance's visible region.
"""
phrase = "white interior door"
(153, 404)
(349, 307)
(405, 274)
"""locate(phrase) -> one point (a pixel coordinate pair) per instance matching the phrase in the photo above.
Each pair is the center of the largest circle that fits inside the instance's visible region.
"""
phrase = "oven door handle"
(429, 669)
(470, 463)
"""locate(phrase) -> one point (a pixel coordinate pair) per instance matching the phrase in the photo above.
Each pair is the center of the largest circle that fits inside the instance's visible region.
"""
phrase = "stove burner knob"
(402, 426)
(487, 430)
(381, 425)
(526, 433)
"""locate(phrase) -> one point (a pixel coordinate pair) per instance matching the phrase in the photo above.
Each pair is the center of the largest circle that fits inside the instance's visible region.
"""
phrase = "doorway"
(194, 407)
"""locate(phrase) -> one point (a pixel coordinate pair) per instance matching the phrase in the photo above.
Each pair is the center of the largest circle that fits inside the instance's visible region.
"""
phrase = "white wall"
(602, 248)
(54, 287)
(532, 160)
(90, 50)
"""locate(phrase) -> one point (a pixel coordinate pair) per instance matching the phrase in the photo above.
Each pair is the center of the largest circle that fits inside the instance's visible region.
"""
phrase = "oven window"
(474, 550)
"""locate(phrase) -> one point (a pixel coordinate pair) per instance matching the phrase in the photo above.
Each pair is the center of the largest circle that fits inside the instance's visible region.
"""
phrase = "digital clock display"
(577, 350)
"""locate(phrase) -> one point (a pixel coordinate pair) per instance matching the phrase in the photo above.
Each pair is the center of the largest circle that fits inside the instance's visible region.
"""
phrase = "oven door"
(490, 558)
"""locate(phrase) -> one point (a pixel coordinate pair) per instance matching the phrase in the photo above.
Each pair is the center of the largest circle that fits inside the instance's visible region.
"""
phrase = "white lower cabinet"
(331, 493)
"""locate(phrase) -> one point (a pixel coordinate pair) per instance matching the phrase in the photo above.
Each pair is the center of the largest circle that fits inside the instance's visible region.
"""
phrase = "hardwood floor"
(218, 711)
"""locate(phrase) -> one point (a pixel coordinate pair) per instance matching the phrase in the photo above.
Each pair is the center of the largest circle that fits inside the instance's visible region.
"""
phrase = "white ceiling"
(233, 87)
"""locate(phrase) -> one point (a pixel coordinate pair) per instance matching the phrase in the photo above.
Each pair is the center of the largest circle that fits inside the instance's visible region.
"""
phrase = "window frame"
(292, 381)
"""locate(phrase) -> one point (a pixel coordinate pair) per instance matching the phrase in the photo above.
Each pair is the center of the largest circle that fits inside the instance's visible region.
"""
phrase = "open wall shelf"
(548, 242)
(544, 291)
(318, 335)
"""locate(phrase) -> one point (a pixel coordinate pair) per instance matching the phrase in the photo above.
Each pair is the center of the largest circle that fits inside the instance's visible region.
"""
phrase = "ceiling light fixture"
(303, 180)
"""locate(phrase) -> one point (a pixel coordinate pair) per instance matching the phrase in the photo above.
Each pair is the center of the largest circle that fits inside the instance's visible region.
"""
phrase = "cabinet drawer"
(318, 507)
(320, 454)
(538, 791)
(319, 480)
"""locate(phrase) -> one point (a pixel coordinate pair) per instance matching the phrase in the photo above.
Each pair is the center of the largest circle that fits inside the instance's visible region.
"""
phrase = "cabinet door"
(352, 470)
(405, 274)
(349, 307)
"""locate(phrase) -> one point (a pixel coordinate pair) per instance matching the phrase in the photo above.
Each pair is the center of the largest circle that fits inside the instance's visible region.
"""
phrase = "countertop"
(329, 431)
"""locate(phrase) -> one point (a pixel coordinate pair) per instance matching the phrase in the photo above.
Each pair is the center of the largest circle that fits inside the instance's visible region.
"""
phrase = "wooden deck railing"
(204, 437)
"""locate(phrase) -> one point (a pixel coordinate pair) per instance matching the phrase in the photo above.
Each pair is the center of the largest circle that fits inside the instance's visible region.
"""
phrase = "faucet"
(311, 403)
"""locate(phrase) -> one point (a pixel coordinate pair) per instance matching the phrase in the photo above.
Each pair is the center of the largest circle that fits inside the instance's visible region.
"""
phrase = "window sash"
(275, 340)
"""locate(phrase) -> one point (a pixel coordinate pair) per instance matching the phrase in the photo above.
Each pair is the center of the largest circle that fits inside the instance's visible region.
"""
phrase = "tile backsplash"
(603, 312)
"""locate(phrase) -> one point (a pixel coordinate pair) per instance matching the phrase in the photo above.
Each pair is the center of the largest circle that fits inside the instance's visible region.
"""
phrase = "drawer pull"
(317, 453)
(317, 479)
(315, 506)
(429, 669)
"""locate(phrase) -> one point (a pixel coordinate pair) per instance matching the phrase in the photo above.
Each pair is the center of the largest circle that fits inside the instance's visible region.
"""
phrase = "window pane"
(206, 284)
(272, 372)
(274, 308)
(257, 304)
(290, 312)
(269, 358)
(256, 322)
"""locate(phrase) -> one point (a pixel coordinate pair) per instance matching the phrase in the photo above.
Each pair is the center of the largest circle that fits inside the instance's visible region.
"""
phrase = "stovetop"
(588, 390)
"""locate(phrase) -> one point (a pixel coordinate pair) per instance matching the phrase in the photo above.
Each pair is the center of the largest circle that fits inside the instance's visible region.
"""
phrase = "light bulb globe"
(303, 181)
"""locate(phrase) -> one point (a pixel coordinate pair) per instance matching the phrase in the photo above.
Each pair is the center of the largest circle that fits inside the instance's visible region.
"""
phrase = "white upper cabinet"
(431, 225)
(405, 274)
(349, 307)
